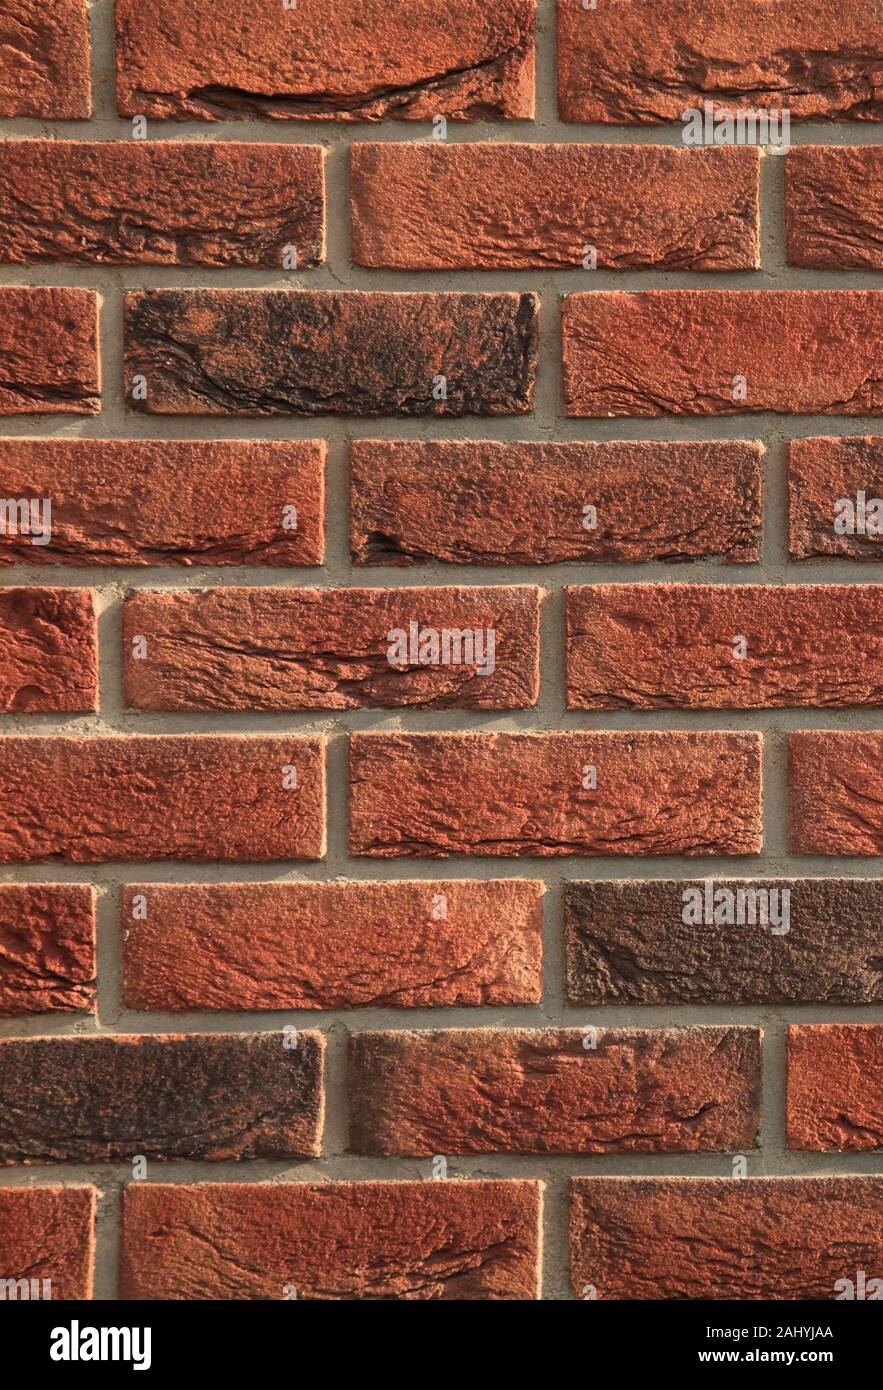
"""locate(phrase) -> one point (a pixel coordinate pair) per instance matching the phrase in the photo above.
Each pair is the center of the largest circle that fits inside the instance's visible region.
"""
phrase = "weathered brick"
(637, 63)
(835, 1087)
(87, 801)
(49, 352)
(430, 795)
(512, 1091)
(629, 943)
(161, 203)
(723, 352)
(353, 60)
(328, 352)
(293, 649)
(206, 1096)
(166, 502)
(835, 498)
(343, 1240)
(479, 502)
(500, 206)
(45, 60)
(716, 646)
(48, 1234)
(48, 651)
(776, 1239)
(835, 805)
(332, 945)
(834, 207)
(47, 949)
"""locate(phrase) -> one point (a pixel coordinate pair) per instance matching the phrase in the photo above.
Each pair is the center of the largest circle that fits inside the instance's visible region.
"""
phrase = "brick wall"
(441, 808)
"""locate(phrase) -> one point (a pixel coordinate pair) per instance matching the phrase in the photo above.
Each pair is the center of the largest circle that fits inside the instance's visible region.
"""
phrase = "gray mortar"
(546, 423)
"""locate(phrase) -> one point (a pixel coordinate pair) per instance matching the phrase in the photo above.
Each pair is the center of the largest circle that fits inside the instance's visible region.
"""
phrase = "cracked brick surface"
(365, 1240)
(722, 352)
(352, 60)
(303, 352)
(47, 949)
(512, 1091)
(169, 203)
(104, 1100)
(696, 1238)
(636, 63)
(332, 945)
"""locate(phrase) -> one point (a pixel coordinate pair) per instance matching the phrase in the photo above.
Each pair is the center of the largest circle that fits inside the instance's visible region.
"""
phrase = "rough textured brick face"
(430, 795)
(352, 60)
(49, 352)
(487, 503)
(291, 649)
(332, 945)
(47, 949)
(45, 57)
(48, 1233)
(168, 502)
(835, 498)
(658, 942)
(86, 801)
(723, 352)
(781, 1239)
(212, 1096)
(291, 352)
(638, 62)
(511, 1091)
(169, 203)
(835, 1087)
(48, 651)
(710, 646)
(835, 804)
(834, 207)
(500, 206)
(367, 1240)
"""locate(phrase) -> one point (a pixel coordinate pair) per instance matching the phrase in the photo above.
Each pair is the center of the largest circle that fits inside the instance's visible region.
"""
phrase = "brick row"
(452, 943)
(630, 1238)
(253, 353)
(241, 799)
(216, 1096)
(633, 646)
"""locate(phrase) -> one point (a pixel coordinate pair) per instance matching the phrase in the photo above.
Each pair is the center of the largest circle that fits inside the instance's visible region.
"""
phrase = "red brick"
(835, 793)
(823, 476)
(835, 1087)
(346, 61)
(834, 207)
(161, 203)
(431, 795)
(48, 651)
(47, 949)
(48, 1233)
(343, 1240)
(764, 1239)
(637, 63)
(675, 646)
(168, 502)
(49, 352)
(332, 945)
(88, 801)
(478, 502)
(45, 60)
(685, 352)
(510, 1091)
(628, 943)
(508, 207)
(328, 352)
(295, 649)
(205, 1096)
